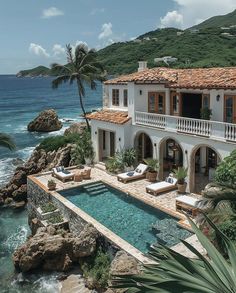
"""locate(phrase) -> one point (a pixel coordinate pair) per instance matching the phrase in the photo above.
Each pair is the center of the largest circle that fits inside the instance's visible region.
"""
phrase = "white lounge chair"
(138, 173)
(188, 204)
(62, 174)
(163, 186)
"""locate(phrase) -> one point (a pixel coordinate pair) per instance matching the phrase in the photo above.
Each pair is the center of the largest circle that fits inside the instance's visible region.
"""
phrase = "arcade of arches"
(203, 159)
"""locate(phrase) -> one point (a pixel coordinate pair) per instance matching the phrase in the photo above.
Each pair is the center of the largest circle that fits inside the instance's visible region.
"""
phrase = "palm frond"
(7, 142)
(172, 272)
(60, 80)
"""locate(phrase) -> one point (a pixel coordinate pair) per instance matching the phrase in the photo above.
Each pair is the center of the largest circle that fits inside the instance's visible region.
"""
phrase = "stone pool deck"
(137, 189)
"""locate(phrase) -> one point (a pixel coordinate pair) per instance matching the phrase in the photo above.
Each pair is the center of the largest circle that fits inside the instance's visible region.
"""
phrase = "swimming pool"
(134, 221)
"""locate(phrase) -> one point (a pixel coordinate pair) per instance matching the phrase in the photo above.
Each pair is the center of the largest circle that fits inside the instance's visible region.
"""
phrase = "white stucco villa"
(158, 112)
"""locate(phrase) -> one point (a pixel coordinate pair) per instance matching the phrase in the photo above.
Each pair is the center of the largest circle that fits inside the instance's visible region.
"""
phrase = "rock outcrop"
(76, 128)
(46, 121)
(123, 264)
(48, 250)
(40, 160)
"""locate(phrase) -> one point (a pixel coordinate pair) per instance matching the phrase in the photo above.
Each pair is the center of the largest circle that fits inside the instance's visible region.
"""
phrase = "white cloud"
(106, 31)
(195, 11)
(38, 50)
(57, 50)
(172, 19)
(97, 11)
(52, 12)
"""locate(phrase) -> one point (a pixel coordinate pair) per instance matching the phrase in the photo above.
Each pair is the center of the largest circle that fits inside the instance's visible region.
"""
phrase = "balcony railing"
(213, 129)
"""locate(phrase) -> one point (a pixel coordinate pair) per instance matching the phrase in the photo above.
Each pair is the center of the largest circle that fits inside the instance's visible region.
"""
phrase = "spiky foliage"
(175, 273)
(7, 142)
(180, 174)
(153, 164)
(82, 68)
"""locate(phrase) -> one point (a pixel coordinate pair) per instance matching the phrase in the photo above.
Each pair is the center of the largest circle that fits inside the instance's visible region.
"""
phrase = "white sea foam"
(47, 284)
(6, 170)
(16, 239)
(25, 152)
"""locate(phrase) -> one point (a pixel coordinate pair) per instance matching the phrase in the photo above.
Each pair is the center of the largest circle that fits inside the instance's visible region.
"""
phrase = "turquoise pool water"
(131, 219)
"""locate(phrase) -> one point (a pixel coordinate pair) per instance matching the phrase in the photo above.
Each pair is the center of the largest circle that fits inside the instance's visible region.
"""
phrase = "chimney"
(142, 65)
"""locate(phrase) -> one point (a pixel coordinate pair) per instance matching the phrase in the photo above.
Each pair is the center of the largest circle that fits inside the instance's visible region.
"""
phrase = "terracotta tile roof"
(112, 116)
(203, 78)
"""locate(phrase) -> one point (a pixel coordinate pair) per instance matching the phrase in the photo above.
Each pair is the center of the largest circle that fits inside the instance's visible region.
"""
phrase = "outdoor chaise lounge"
(62, 174)
(187, 204)
(138, 173)
(163, 186)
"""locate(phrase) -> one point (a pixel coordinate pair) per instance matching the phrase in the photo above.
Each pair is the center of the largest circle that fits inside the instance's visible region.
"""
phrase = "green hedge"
(54, 143)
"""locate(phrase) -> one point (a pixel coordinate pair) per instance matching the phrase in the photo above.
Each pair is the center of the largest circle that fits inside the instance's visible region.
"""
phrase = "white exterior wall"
(122, 135)
(139, 102)
(121, 97)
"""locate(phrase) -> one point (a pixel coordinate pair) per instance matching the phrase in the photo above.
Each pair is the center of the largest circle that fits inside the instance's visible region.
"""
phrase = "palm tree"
(172, 272)
(7, 142)
(82, 68)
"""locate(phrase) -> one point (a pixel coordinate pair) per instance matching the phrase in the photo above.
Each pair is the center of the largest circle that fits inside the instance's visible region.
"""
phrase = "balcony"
(204, 128)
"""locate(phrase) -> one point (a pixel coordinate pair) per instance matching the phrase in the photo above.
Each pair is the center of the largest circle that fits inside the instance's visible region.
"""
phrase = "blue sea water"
(21, 99)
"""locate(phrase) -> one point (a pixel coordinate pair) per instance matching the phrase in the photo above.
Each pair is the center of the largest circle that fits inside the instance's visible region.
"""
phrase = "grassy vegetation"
(97, 268)
(48, 207)
(55, 219)
(56, 142)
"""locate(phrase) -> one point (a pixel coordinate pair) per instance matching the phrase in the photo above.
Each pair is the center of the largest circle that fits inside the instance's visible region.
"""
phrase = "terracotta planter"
(151, 176)
(52, 186)
(182, 188)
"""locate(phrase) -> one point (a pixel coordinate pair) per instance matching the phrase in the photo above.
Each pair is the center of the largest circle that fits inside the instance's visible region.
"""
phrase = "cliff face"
(39, 161)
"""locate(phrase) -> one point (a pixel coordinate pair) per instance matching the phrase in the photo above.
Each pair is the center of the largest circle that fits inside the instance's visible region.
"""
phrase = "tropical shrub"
(121, 159)
(153, 164)
(225, 174)
(180, 174)
(84, 148)
(172, 272)
(96, 267)
(129, 157)
(206, 113)
(54, 143)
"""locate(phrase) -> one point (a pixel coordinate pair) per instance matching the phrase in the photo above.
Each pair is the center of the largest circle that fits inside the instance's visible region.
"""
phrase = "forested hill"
(210, 44)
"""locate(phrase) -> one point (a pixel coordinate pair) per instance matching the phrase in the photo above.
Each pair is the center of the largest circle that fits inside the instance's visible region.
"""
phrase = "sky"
(34, 32)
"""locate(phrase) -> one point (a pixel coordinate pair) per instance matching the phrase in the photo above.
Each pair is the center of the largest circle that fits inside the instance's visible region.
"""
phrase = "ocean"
(21, 99)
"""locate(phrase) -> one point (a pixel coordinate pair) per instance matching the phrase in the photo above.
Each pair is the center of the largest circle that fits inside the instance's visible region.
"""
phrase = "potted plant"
(206, 113)
(129, 158)
(180, 174)
(153, 167)
(51, 184)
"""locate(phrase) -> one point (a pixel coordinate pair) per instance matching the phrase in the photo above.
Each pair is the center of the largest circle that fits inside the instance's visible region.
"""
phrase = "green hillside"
(219, 21)
(37, 71)
(209, 46)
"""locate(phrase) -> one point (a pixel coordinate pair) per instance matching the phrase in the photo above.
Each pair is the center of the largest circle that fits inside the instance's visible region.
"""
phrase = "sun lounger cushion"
(188, 200)
(128, 175)
(62, 174)
(159, 185)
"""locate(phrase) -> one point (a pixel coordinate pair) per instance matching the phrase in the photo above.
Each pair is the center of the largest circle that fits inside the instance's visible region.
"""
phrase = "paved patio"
(137, 189)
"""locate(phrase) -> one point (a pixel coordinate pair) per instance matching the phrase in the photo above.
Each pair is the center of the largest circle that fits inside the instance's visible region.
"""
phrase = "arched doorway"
(204, 161)
(170, 157)
(143, 145)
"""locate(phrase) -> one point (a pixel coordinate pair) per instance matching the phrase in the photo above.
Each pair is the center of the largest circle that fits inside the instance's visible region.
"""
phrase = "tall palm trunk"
(81, 104)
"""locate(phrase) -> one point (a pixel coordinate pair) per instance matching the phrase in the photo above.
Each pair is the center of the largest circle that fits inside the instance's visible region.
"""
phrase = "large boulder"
(50, 251)
(46, 121)
(123, 264)
(76, 128)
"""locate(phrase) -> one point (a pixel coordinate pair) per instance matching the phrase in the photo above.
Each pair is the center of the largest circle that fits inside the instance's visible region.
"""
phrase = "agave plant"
(175, 273)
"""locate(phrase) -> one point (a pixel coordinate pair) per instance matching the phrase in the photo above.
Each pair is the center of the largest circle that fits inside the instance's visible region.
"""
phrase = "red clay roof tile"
(112, 116)
(207, 78)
